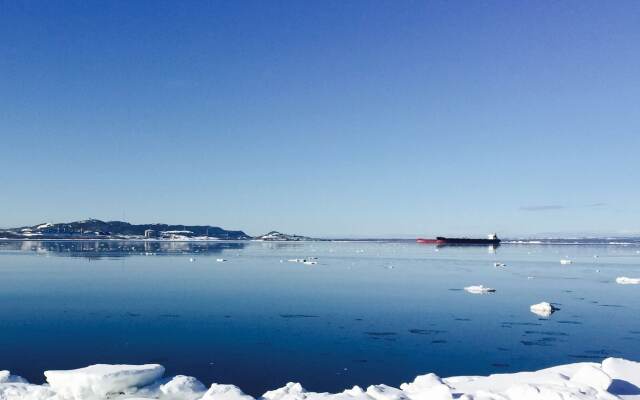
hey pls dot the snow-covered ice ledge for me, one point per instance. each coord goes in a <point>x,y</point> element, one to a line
<point>614,378</point>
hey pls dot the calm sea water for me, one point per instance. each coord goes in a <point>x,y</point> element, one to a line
<point>366,313</point>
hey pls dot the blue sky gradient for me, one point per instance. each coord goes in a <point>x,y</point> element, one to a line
<point>325,118</point>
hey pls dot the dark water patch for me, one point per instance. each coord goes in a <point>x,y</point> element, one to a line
<point>634,332</point>
<point>380,333</point>
<point>361,361</point>
<point>602,352</point>
<point>426,331</point>
<point>569,322</point>
<point>357,319</point>
<point>462,319</point>
<point>439,341</point>
<point>227,316</point>
<point>455,290</point>
<point>502,349</point>
<point>546,333</point>
<point>298,316</point>
<point>133,315</point>
<point>611,305</point>
<point>585,356</point>
<point>500,365</point>
<point>544,342</point>
<point>510,324</point>
<point>169,315</point>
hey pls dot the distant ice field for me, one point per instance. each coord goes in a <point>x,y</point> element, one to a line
<point>365,313</point>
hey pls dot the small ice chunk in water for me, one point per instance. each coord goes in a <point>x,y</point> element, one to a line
<point>543,309</point>
<point>623,280</point>
<point>192,259</point>
<point>100,380</point>
<point>499,264</point>
<point>479,289</point>
<point>565,261</point>
<point>220,260</point>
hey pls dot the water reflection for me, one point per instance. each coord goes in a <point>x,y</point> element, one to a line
<point>97,249</point>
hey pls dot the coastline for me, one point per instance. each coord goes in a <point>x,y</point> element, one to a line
<point>613,378</point>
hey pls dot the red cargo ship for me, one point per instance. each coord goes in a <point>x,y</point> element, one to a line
<point>491,240</point>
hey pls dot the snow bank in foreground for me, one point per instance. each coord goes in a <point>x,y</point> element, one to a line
<point>614,378</point>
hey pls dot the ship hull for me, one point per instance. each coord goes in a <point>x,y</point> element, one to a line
<point>460,241</point>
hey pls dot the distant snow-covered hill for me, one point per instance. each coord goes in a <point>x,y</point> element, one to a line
<point>95,228</point>
<point>281,237</point>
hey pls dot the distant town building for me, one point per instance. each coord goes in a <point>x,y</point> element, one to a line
<point>150,234</point>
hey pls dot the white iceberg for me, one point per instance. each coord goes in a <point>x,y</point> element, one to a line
<point>543,309</point>
<point>623,280</point>
<point>99,380</point>
<point>479,289</point>
<point>565,261</point>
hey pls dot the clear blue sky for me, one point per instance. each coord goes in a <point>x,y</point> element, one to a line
<point>327,117</point>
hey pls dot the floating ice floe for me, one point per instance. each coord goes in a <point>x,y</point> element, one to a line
<point>612,379</point>
<point>623,280</point>
<point>565,261</point>
<point>192,259</point>
<point>479,289</point>
<point>498,264</point>
<point>543,309</point>
<point>308,260</point>
<point>220,260</point>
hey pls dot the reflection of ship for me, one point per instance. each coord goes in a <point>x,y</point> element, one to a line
<point>491,240</point>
